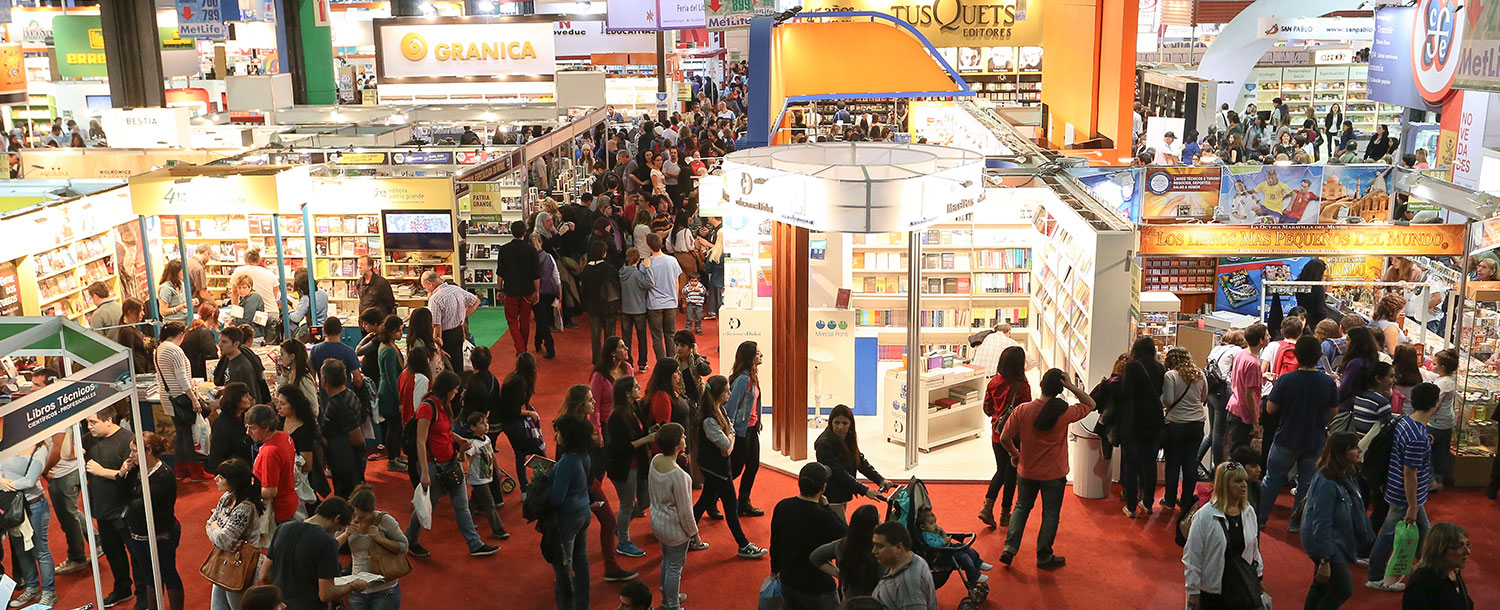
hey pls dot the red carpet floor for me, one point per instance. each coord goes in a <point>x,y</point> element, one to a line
<point>1113,562</point>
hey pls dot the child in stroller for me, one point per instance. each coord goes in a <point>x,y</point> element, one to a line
<point>964,555</point>
<point>907,506</point>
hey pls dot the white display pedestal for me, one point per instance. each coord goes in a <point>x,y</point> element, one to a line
<point>935,427</point>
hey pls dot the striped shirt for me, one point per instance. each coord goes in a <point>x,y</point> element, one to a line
<point>1411,447</point>
<point>449,305</point>
<point>1369,408</point>
<point>173,367</point>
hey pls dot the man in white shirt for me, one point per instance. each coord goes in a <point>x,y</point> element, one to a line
<point>263,280</point>
<point>987,356</point>
<point>1169,153</point>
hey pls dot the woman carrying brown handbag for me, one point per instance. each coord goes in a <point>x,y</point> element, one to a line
<point>232,526</point>
<point>378,546</point>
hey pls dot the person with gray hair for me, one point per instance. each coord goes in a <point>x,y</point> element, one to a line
<point>276,463</point>
<point>197,273</point>
<point>451,307</point>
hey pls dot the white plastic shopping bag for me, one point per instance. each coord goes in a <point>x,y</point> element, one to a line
<point>200,435</point>
<point>421,505</point>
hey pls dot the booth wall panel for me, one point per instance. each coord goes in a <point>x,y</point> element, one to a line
<point>866,375</point>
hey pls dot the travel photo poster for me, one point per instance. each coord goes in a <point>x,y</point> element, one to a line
<point>1356,190</point>
<point>1272,194</point>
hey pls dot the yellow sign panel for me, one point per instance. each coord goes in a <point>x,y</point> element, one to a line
<point>1302,240</point>
<point>955,23</point>
<point>362,159</point>
<point>96,38</point>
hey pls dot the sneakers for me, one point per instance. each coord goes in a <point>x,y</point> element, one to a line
<point>395,465</point>
<point>746,510</point>
<point>985,567</point>
<point>484,550</point>
<point>716,515</point>
<point>26,598</point>
<point>698,545</point>
<point>1380,585</point>
<point>1294,528</point>
<point>417,550</point>
<point>619,575</point>
<point>750,551</point>
<point>500,535</point>
<point>70,566</point>
<point>983,578</point>
<point>49,599</point>
<point>1364,561</point>
<point>1051,563</point>
<point>116,598</point>
<point>629,549</point>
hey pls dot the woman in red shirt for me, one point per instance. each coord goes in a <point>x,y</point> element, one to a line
<point>437,460</point>
<point>1006,389</point>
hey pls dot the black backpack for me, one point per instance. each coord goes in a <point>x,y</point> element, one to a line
<point>1378,454</point>
<point>538,505</point>
<point>12,509</point>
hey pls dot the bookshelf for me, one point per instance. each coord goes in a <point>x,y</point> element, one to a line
<point>1081,268</point>
<point>975,272</point>
<point>65,271</point>
<point>1322,87</point>
<point>501,203</point>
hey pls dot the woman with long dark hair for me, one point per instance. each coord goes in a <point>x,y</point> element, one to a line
<point>520,422</point>
<point>388,394</point>
<point>664,391</point>
<point>1041,468</point>
<point>300,423</point>
<point>838,449</point>
<point>743,410</point>
<point>613,363</point>
<point>1314,300</point>
<point>579,403</point>
<point>1141,426</point>
<point>625,445</point>
<point>173,301</point>
<point>856,569</point>
<point>1438,582</point>
<point>412,387</point>
<point>1334,525</point>
<point>714,446</point>
<point>232,522</point>
<point>293,369</point>
<point>1362,352</point>
<point>419,334</point>
<point>438,449</point>
<point>570,496</point>
<point>1005,390</point>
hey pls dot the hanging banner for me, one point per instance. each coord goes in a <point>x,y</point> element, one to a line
<point>26,421</point>
<point>1316,28</point>
<point>655,14</point>
<point>1479,53</point>
<point>973,23</point>
<point>1392,70</point>
<point>1304,240</point>
<point>203,18</point>
<point>1181,192</point>
<point>10,290</point>
<point>12,74</point>
<point>1461,142</point>
<point>463,49</point>
<point>735,14</point>
<point>1286,194</point>
<point>79,45</point>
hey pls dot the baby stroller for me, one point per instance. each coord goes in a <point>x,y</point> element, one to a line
<point>904,504</point>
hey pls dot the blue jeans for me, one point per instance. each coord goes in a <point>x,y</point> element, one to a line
<point>389,599</point>
<point>571,587</point>
<point>224,599</point>
<point>40,556</point>
<point>672,560</point>
<point>459,496</point>
<point>1279,464</point>
<point>1381,553</point>
<point>1052,497</point>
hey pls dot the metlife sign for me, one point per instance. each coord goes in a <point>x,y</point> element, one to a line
<point>203,18</point>
<point>734,14</point>
<point>1318,28</point>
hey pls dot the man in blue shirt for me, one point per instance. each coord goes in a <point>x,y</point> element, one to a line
<point>331,347</point>
<point>1407,478</point>
<point>661,299</point>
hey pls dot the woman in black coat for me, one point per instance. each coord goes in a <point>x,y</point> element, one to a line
<point>1315,300</point>
<point>1141,426</point>
<point>838,449</point>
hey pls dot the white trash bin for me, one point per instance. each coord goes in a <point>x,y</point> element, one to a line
<point>1086,464</point>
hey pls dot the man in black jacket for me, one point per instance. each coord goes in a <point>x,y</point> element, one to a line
<point>799,525</point>
<point>520,277</point>
<point>599,285</point>
<point>374,290</point>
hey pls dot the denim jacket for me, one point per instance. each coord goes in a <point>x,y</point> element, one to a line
<point>742,402</point>
<point>1333,520</point>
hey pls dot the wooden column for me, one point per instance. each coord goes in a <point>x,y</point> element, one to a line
<point>789,276</point>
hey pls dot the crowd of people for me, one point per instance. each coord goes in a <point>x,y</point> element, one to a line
<point>1269,136</point>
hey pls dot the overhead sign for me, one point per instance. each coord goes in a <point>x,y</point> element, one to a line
<point>462,49</point>
<point>655,14</point>
<point>12,73</point>
<point>971,23</point>
<point>148,127</point>
<point>1461,142</point>
<point>79,45</point>
<point>1301,240</point>
<point>204,18</point>
<point>422,158</point>
<point>1316,28</point>
<point>64,403</point>
<point>1437,35</point>
<point>735,14</point>
<point>581,39</point>
<point>1392,74</point>
<point>1479,52</point>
